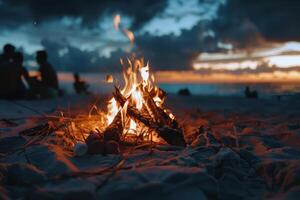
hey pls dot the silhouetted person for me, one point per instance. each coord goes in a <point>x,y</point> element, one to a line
<point>184,92</point>
<point>6,65</point>
<point>49,80</point>
<point>250,94</point>
<point>278,97</point>
<point>17,72</point>
<point>80,86</point>
<point>7,55</point>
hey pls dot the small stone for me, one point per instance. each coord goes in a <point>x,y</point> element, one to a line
<point>95,144</point>
<point>96,147</point>
<point>92,137</point>
<point>80,148</point>
<point>112,147</point>
<point>111,135</point>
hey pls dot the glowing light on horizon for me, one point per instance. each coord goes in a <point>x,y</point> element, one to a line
<point>223,77</point>
<point>284,61</point>
<point>231,66</point>
<point>286,55</point>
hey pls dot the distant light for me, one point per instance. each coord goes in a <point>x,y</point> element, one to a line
<point>34,23</point>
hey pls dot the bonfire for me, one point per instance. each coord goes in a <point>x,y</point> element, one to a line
<point>137,110</point>
<point>135,115</point>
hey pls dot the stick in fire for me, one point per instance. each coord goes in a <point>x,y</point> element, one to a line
<point>172,135</point>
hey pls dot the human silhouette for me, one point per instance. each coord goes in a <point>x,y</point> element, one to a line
<point>6,67</point>
<point>80,86</point>
<point>184,92</point>
<point>18,72</point>
<point>7,55</point>
<point>250,94</point>
<point>49,80</point>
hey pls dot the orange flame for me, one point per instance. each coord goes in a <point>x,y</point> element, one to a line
<point>117,20</point>
<point>129,34</point>
<point>138,80</point>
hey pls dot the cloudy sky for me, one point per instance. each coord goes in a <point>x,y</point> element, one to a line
<point>79,35</point>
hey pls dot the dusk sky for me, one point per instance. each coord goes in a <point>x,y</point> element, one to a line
<point>171,34</point>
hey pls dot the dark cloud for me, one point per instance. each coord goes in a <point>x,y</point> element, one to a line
<point>245,23</point>
<point>176,52</point>
<point>164,52</point>
<point>78,60</point>
<point>250,22</point>
<point>16,12</point>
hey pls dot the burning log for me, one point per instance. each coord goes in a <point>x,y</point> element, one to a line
<point>114,130</point>
<point>170,135</point>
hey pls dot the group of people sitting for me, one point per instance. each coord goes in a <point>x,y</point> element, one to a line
<point>16,82</point>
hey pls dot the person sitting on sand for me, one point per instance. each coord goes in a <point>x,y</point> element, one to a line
<point>184,92</point>
<point>6,61</point>
<point>48,75</point>
<point>8,54</point>
<point>250,94</point>
<point>80,86</point>
<point>19,72</point>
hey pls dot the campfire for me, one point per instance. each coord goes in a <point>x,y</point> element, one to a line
<point>136,111</point>
<point>135,115</point>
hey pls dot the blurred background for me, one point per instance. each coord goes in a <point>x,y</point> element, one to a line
<point>210,47</point>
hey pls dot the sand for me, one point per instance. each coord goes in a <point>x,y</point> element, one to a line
<point>246,149</point>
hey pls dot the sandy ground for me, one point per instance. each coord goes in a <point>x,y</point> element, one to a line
<point>247,149</point>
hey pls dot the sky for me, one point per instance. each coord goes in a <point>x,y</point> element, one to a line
<point>172,34</point>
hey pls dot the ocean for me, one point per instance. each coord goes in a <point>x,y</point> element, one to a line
<point>97,84</point>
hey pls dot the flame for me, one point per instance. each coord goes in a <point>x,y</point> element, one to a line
<point>109,78</point>
<point>117,20</point>
<point>138,82</point>
<point>138,88</point>
<point>129,34</point>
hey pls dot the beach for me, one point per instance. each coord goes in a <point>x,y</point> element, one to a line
<point>250,150</point>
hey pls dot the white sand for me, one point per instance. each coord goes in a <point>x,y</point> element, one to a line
<point>252,152</point>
